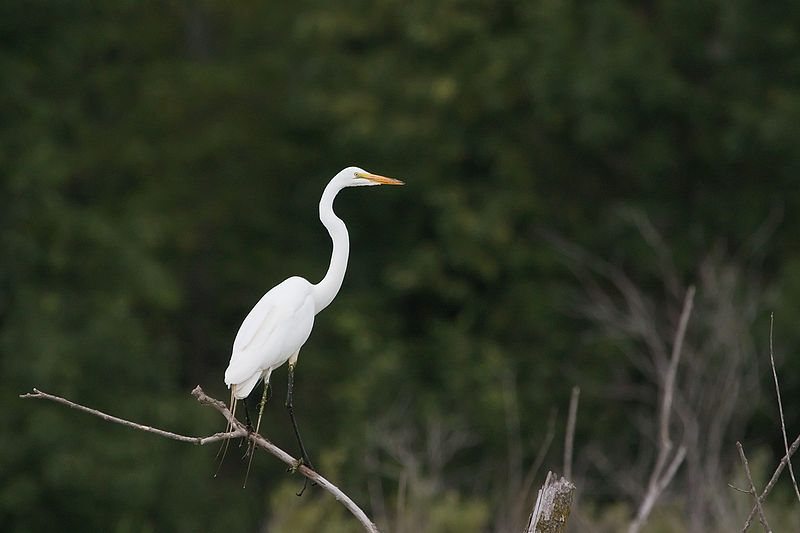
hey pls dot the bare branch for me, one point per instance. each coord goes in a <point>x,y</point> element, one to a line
<point>773,480</point>
<point>753,490</point>
<point>238,430</point>
<point>659,478</point>
<point>780,407</point>
<point>569,438</point>
<point>149,429</point>
<point>669,380</point>
<point>669,473</point>
<point>790,450</point>
<point>737,489</point>
<point>655,489</point>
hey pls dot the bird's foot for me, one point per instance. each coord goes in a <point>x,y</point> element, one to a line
<point>305,484</point>
<point>303,461</point>
<point>294,466</point>
<point>251,445</point>
<point>246,439</point>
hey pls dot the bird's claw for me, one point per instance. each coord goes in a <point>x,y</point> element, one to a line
<point>295,466</point>
<point>251,445</point>
<point>305,484</point>
<point>247,437</point>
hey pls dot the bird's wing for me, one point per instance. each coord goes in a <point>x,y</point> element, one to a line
<point>274,329</point>
<point>260,316</point>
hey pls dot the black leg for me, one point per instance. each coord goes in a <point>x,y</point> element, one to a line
<point>247,417</point>
<point>249,425</point>
<point>251,445</point>
<point>290,407</point>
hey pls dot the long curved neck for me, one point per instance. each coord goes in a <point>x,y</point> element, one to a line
<point>325,291</point>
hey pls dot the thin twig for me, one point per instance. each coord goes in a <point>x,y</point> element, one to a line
<point>569,438</point>
<point>737,489</point>
<point>753,490</point>
<point>790,450</point>
<point>772,480</point>
<point>141,427</point>
<point>670,472</point>
<point>669,380</point>
<point>238,430</point>
<point>780,407</point>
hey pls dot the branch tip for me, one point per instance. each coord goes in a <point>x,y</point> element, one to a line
<point>238,430</point>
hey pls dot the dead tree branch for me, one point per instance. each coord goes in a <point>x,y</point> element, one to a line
<point>753,489</point>
<point>780,408</point>
<point>569,438</point>
<point>149,429</point>
<point>790,450</point>
<point>238,430</point>
<point>662,474</point>
<point>772,481</point>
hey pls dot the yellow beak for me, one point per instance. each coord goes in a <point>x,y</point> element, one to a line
<point>383,180</point>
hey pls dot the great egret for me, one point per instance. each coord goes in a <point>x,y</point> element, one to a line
<point>280,323</point>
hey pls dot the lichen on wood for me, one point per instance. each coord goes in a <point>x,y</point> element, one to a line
<point>553,506</point>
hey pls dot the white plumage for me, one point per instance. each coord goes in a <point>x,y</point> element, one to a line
<point>280,323</point>
<point>274,330</point>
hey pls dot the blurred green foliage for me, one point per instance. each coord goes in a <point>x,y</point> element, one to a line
<point>160,165</point>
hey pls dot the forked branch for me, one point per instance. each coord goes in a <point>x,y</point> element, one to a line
<point>780,407</point>
<point>790,450</point>
<point>752,488</point>
<point>665,468</point>
<point>237,430</point>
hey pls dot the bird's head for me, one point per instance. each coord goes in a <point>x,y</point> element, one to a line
<point>356,177</point>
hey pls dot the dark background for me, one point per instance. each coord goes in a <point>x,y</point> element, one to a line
<point>572,168</point>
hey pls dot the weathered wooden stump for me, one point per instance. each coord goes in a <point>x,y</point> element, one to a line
<point>552,506</point>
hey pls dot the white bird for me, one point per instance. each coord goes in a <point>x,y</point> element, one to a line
<point>280,323</point>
